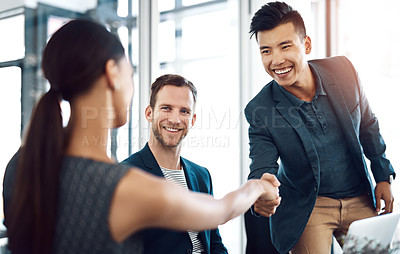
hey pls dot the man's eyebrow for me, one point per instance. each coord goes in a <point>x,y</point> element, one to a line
<point>280,44</point>
<point>165,105</point>
<point>285,42</point>
<point>188,109</point>
<point>171,106</point>
<point>264,47</point>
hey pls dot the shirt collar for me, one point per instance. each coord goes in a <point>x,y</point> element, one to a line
<point>320,88</point>
<point>318,92</point>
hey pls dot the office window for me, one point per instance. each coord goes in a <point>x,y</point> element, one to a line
<point>12,42</point>
<point>199,40</point>
<point>203,35</point>
<point>370,40</point>
<point>10,112</point>
<point>166,5</point>
<point>166,49</point>
<point>122,9</point>
<point>54,23</point>
<point>194,2</point>
<point>135,113</point>
<point>127,135</point>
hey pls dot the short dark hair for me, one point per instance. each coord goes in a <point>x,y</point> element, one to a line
<point>173,80</point>
<point>274,14</point>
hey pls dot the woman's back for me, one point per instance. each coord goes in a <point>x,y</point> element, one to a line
<point>86,190</point>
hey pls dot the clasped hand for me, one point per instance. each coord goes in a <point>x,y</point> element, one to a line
<point>268,202</point>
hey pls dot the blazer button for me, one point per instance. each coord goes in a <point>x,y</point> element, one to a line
<point>189,251</point>
<point>315,189</point>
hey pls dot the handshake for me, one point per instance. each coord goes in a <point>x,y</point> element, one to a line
<point>267,203</point>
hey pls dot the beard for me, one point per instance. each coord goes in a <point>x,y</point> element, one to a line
<point>159,137</point>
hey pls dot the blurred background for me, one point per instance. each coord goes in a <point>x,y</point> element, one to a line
<point>206,41</point>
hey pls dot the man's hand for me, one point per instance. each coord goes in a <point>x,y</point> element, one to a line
<point>383,191</point>
<point>265,205</point>
<point>271,178</point>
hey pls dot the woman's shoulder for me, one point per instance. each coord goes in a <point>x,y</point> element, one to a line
<point>87,165</point>
<point>87,188</point>
<point>88,174</point>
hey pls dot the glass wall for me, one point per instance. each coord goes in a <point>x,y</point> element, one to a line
<point>10,112</point>
<point>199,40</point>
<point>13,50</point>
<point>369,38</point>
<point>14,41</point>
<point>127,137</point>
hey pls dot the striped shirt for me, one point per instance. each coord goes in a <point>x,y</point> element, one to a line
<point>178,177</point>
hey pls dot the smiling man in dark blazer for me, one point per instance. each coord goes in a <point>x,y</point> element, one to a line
<point>171,115</point>
<point>315,118</point>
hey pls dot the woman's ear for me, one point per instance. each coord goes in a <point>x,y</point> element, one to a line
<point>111,71</point>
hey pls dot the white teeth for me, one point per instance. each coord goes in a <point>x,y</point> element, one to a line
<point>283,71</point>
<point>171,129</point>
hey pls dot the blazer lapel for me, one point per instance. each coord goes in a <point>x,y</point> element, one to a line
<point>191,179</point>
<point>151,165</point>
<point>340,107</point>
<point>290,113</point>
<point>338,103</point>
<point>150,162</point>
<point>193,185</point>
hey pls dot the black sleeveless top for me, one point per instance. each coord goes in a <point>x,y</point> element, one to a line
<point>86,190</point>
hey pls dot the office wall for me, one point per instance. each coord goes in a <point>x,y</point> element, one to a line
<point>10,4</point>
<point>74,5</point>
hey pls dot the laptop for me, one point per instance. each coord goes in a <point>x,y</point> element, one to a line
<point>372,235</point>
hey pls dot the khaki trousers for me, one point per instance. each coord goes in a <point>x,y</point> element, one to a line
<point>331,217</point>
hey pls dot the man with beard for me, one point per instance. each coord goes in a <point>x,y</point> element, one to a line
<point>171,115</point>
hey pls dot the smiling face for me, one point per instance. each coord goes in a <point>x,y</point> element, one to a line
<point>172,116</point>
<point>283,54</point>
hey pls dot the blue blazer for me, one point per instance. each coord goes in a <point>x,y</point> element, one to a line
<point>166,241</point>
<point>277,132</point>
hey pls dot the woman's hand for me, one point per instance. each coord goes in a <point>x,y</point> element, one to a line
<point>268,202</point>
